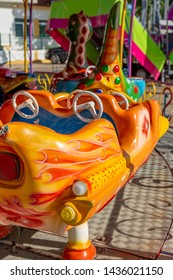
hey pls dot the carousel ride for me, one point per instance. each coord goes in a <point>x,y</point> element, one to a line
<point>64,156</point>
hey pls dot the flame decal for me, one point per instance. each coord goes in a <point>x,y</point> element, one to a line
<point>145,126</point>
<point>79,154</point>
<point>41,198</point>
<point>13,210</point>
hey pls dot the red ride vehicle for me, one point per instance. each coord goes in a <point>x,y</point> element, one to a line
<point>11,81</point>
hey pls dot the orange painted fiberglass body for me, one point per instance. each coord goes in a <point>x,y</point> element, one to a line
<point>43,159</point>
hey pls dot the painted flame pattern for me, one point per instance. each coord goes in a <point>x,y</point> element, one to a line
<point>79,155</point>
<point>14,211</point>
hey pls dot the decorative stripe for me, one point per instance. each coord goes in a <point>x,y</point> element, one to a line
<point>63,22</point>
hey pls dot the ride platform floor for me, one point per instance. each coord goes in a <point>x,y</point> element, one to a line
<point>137,224</point>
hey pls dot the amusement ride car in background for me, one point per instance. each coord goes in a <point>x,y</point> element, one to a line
<point>11,81</point>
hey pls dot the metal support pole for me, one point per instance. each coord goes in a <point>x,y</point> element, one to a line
<point>30,37</point>
<point>122,33</point>
<point>144,13</point>
<point>166,8</point>
<point>130,38</point>
<point>25,3</point>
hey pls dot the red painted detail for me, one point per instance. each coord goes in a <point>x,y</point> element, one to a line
<point>84,30</point>
<point>82,86</point>
<point>145,126</point>
<point>4,231</point>
<point>13,210</point>
<point>5,72</point>
<point>9,167</point>
<point>116,68</point>
<point>84,18</point>
<point>98,77</point>
<point>41,198</point>
<point>80,60</point>
<point>82,40</point>
<point>80,49</point>
<point>135,89</point>
<point>86,254</point>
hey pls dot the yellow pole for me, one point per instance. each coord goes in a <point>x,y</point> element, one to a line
<point>25,3</point>
<point>122,32</point>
